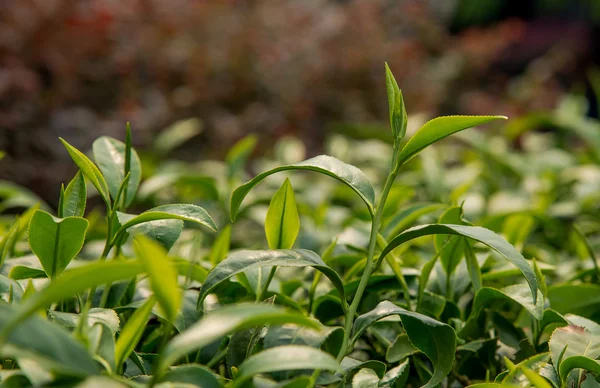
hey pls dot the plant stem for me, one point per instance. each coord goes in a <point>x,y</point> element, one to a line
<point>369,267</point>
<point>264,288</point>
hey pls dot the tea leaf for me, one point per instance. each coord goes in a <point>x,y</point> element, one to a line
<point>183,212</point>
<point>439,128</point>
<point>289,357</point>
<point>132,331</point>
<point>398,117</point>
<point>163,277</point>
<point>220,247</point>
<point>177,134</point>
<point>239,154</point>
<point>435,339</point>
<point>324,164</point>
<point>91,172</point>
<point>484,236</point>
<point>216,324</point>
<point>56,241</point>
<point>283,223</point>
<point>580,299</point>
<point>45,343</point>
<point>517,293</point>
<point>75,281</point>
<point>196,375</point>
<point>110,155</point>
<point>578,362</point>
<point>241,261</point>
<point>75,197</point>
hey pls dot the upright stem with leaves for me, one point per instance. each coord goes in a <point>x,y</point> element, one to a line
<point>398,122</point>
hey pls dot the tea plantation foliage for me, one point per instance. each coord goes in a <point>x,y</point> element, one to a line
<point>470,263</point>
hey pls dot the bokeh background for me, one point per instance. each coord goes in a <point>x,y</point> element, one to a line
<point>79,69</point>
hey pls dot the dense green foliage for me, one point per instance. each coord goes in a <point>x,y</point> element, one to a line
<point>468,267</point>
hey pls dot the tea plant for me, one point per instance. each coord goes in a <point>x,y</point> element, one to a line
<point>381,306</point>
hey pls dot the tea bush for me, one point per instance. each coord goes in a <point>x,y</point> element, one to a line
<point>319,282</point>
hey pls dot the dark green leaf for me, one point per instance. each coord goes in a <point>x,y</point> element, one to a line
<point>219,323</point>
<point>183,212</point>
<point>241,261</point>
<point>484,236</point>
<point>435,339</point>
<point>518,293</point>
<point>281,358</point>
<point>46,343</point>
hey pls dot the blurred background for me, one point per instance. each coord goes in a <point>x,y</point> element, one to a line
<point>79,69</point>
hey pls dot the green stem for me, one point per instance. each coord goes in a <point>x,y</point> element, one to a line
<point>264,288</point>
<point>350,314</point>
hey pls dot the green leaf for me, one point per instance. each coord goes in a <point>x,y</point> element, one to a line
<point>220,248</point>
<point>195,375</point>
<point>239,154</point>
<point>407,216</point>
<point>75,197</point>
<point>46,343</point>
<point>282,358</point>
<point>107,317</point>
<point>396,377</point>
<point>177,134</point>
<point>536,380</point>
<point>282,223</point>
<point>183,212</point>
<point>75,281</point>
<point>400,349</point>
<point>578,362</point>
<point>19,272</point>
<point>324,164</point>
<point>91,172</point>
<point>56,241</point>
<point>132,331</point>
<point>580,299</point>
<point>241,261</point>
<point>578,342</point>
<point>439,128</point>
<point>518,293</point>
<point>164,232</point>
<point>365,378</point>
<point>484,236</point>
<point>435,339</point>
<point>110,155</point>
<point>398,117</point>
<point>219,323</point>
<point>8,241</point>
<point>163,277</point>
<point>453,249</point>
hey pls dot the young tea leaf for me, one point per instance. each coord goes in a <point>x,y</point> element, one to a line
<point>163,277</point>
<point>283,223</point>
<point>398,117</point>
<point>110,154</point>
<point>90,170</point>
<point>56,241</point>
<point>132,331</point>
<point>220,248</point>
<point>437,129</point>
<point>75,197</point>
<point>324,164</point>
